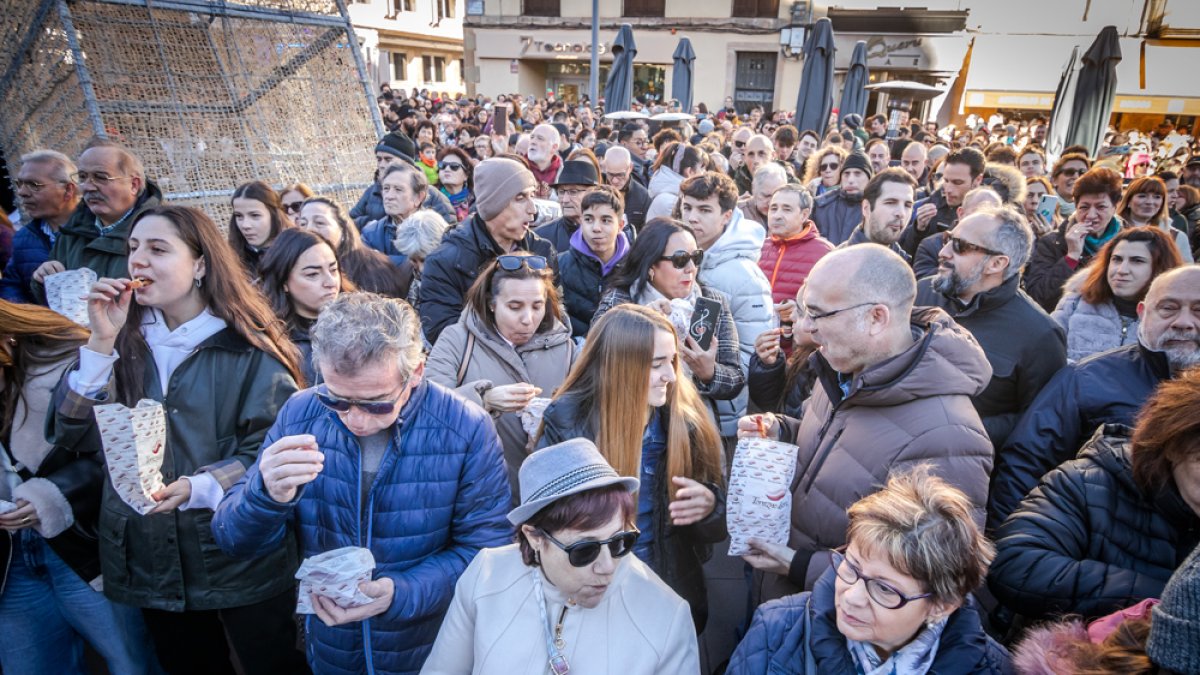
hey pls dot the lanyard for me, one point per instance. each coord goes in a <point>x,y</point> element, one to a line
<point>554,642</point>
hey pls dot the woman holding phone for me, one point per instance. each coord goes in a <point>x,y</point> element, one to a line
<point>186,329</point>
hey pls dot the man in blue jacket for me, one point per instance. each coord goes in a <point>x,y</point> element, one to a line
<point>48,196</point>
<point>376,458</point>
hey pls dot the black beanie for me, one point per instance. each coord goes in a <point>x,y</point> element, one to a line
<point>857,160</point>
<point>399,145</point>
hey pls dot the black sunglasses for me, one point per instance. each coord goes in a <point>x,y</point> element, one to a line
<point>680,259</point>
<point>584,553</point>
<point>829,167</point>
<point>453,166</point>
<point>293,207</point>
<point>343,405</point>
<point>739,144</point>
<point>512,263</point>
<point>963,247</point>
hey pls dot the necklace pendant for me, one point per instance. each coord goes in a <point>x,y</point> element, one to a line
<point>559,665</point>
<point>559,643</point>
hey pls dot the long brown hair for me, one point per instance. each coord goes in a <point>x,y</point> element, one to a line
<point>265,195</point>
<point>1167,432</point>
<point>612,376</point>
<point>1164,255</point>
<point>226,292</point>
<point>1152,184</point>
<point>481,297</point>
<point>38,338</point>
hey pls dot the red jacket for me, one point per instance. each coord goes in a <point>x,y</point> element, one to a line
<point>786,262</point>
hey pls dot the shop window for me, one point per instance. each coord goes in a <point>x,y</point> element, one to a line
<point>399,65</point>
<point>634,8</point>
<point>543,8</point>
<point>756,9</point>
<point>435,68</point>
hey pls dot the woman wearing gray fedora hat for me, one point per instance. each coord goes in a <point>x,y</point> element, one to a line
<point>567,597</point>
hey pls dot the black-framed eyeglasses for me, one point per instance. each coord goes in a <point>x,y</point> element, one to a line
<point>343,405</point>
<point>584,553</point>
<point>34,186</point>
<point>293,207</point>
<point>882,593</point>
<point>680,259</point>
<point>806,312</point>
<point>512,263</point>
<point>962,247</point>
<point>452,166</point>
<point>1069,173</point>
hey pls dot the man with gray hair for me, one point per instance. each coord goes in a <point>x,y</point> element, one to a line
<point>115,190</point>
<point>416,238</point>
<point>47,197</point>
<point>375,457</point>
<point>979,284</point>
<point>926,264</point>
<point>543,157</point>
<point>768,178</point>
<point>402,187</point>
<point>893,389</point>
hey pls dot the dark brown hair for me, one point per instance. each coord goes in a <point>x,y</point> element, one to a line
<point>1167,432</point>
<point>1098,181</point>
<point>277,266</point>
<point>585,510</point>
<point>43,339</point>
<point>265,195</point>
<point>1164,255</point>
<point>1153,185</point>
<point>482,294</point>
<point>705,185</point>
<point>226,292</point>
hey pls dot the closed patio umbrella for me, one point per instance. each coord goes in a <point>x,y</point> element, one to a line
<point>1095,91</point>
<point>1064,102</point>
<point>618,89</point>
<point>815,101</point>
<point>681,74</point>
<point>854,97</point>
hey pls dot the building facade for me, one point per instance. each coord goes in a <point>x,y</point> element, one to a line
<point>411,44</point>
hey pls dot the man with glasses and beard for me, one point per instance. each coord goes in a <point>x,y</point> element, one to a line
<point>634,138</point>
<point>1106,388</point>
<point>115,190</point>
<point>979,284</point>
<point>617,167</point>
<point>376,457</point>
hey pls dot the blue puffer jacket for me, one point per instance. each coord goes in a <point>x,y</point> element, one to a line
<point>440,496</point>
<point>776,641</point>
<point>30,248</point>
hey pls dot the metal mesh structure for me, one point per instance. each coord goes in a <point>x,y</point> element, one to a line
<point>209,94</point>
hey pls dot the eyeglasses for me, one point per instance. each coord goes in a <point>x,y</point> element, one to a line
<point>451,166</point>
<point>806,312</point>
<point>640,142</point>
<point>880,592</point>
<point>1070,172</point>
<point>829,167</point>
<point>962,247</point>
<point>739,144</point>
<point>512,263</point>
<point>584,553</point>
<point>98,178</point>
<point>34,186</point>
<point>293,207</point>
<point>343,405</point>
<point>680,259</point>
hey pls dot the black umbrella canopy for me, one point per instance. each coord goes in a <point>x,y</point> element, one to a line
<point>815,101</point>
<point>1064,102</point>
<point>1095,91</point>
<point>854,97</point>
<point>681,74</point>
<point>618,90</point>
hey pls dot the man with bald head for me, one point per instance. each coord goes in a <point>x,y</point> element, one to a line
<point>893,389</point>
<point>113,184</point>
<point>914,160</point>
<point>1107,388</point>
<point>759,150</point>
<point>617,169</point>
<point>542,154</point>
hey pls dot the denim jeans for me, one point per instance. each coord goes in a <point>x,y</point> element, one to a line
<point>47,611</point>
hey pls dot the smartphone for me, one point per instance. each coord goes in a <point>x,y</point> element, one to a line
<point>500,119</point>
<point>1046,207</point>
<point>704,321</point>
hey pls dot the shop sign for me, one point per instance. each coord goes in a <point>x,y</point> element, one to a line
<point>531,46</point>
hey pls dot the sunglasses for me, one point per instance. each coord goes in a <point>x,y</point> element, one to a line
<point>739,144</point>
<point>829,167</point>
<point>680,259</point>
<point>293,207</point>
<point>1070,172</point>
<point>584,553</point>
<point>512,263</point>
<point>961,247</point>
<point>452,166</point>
<point>343,405</point>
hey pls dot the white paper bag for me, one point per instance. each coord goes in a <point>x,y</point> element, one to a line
<point>335,575</point>
<point>760,497</point>
<point>134,440</point>
<point>531,416</point>
<point>64,290</point>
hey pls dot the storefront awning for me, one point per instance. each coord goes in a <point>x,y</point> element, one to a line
<point>1021,72</point>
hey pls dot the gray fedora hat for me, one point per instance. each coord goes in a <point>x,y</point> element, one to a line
<point>561,470</point>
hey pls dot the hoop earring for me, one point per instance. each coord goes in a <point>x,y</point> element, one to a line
<point>200,282</point>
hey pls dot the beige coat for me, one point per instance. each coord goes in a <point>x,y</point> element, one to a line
<point>544,362</point>
<point>493,627</point>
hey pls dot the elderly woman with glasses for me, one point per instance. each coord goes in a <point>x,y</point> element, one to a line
<point>896,600</point>
<point>509,347</point>
<point>567,597</point>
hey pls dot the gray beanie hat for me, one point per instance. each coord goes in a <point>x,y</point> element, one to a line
<point>1175,626</point>
<point>497,181</point>
<point>857,160</point>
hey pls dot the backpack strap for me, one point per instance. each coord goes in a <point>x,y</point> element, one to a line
<point>462,368</point>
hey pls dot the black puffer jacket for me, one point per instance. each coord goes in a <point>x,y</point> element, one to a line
<point>679,552</point>
<point>1088,539</point>
<point>582,284</point>
<point>836,215</point>
<point>1106,388</point>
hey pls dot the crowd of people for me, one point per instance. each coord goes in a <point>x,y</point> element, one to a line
<point>517,371</point>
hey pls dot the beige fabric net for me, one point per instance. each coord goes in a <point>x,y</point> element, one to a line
<point>209,94</point>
